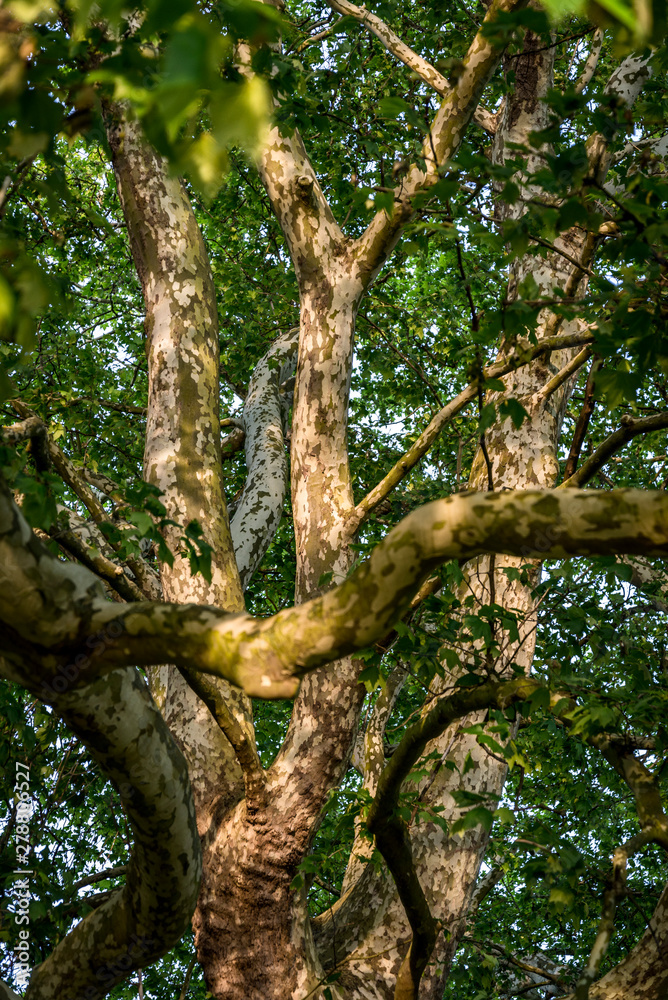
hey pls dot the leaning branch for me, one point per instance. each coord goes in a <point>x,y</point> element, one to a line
<point>630,428</point>
<point>77,483</point>
<point>523,356</point>
<point>415,62</point>
<point>440,145</point>
<point>66,470</point>
<point>391,831</point>
<point>564,374</point>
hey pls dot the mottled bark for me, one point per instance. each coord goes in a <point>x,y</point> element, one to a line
<point>643,975</point>
<point>58,607</point>
<point>261,504</point>
<point>182,451</point>
<point>116,718</point>
<point>183,458</point>
<point>333,275</point>
<point>253,934</point>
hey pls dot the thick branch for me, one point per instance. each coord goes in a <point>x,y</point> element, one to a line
<point>440,145</point>
<point>119,722</point>
<point>630,428</point>
<point>58,605</point>
<point>592,62</point>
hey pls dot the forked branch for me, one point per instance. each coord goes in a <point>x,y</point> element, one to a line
<point>415,62</point>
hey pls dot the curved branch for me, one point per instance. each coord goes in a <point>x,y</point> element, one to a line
<point>99,877</point>
<point>59,606</point>
<point>583,419</point>
<point>117,719</point>
<point>630,428</point>
<point>261,505</point>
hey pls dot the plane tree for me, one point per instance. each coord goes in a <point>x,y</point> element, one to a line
<point>329,334</point>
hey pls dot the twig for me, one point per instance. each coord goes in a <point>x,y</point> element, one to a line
<point>99,877</point>
<point>583,419</point>
<point>186,982</point>
<point>523,355</point>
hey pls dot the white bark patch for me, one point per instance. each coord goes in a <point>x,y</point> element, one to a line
<point>261,505</point>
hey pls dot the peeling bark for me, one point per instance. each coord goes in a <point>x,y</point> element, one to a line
<point>261,505</point>
<point>117,720</point>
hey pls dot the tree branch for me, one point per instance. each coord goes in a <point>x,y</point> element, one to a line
<point>99,877</point>
<point>58,605</point>
<point>261,505</point>
<point>523,356</point>
<point>394,45</point>
<point>391,831</point>
<point>66,470</point>
<point>105,404</point>
<point>592,62</point>
<point>583,419</point>
<point>244,748</point>
<point>630,428</point>
<point>96,561</point>
<point>120,724</point>
<point>564,374</point>
<point>440,145</point>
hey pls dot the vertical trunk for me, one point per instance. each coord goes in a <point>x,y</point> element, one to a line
<point>253,929</point>
<point>182,452</point>
<point>182,458</point>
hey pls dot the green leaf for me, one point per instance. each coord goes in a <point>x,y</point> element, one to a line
<point>513,408</point>
<point>478,816</point>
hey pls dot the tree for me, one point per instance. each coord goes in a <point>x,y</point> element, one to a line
<point>428,642</point>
